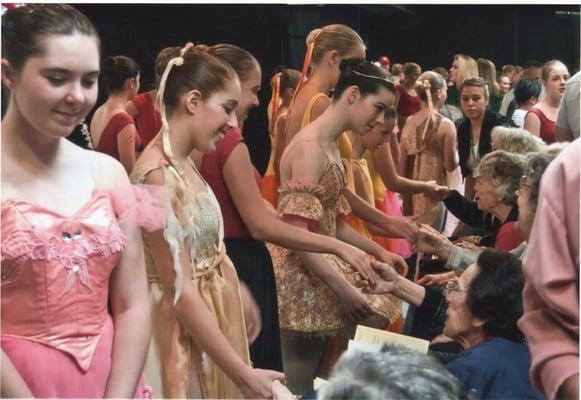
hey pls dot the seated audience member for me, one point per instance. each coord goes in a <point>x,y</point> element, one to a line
<point>484,305</point>
<point>394,372</point>
<point>497,180</point>
<point>459,258</point>
<point>569,118</point>
<point>551,268</point>
<point>515,140</point>
<point>526,94</point>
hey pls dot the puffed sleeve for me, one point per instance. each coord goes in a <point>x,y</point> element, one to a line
<point>302,200</point>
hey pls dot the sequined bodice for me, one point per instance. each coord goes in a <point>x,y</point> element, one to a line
<point>208,232</point>
<point>55,273</point>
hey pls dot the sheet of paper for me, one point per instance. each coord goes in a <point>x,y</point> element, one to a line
<point>377,337</point>
<point>318,382</point>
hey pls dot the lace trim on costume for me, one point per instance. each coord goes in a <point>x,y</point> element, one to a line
<point>72,250</point>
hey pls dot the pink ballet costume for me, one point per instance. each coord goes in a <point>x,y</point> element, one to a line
<point>56,327</point>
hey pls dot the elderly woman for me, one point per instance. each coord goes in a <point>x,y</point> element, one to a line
<point>458,258</point>
<point>496,183</point>
<point>483,307</point>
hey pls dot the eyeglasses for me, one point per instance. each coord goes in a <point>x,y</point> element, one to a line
<point>523,183</point>
<point>451,287</point>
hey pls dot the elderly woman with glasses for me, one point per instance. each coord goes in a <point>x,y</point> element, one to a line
<point>482,308</point>
<point>459,256</point>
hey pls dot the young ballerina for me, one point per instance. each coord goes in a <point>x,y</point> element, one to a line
<point>316,293</point>
<point>429,147</point>
<point>75,314</point>
<point>326,48</point>
<point>199,346</point>
<point>285,83</point>
<point>249,222</point>
<point>112,128</point>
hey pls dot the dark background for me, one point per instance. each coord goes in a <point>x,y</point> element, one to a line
<point>427,34</point>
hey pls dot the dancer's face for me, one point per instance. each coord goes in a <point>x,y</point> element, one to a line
<point>249,96</point>
<point>216,115</point>
<point>379,135</point>
<point>369,111</point>
<point>54,90</point>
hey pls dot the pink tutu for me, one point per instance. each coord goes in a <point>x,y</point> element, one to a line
<point>392,206</point>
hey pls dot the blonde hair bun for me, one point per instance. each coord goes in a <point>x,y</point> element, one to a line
<point>312,36</point>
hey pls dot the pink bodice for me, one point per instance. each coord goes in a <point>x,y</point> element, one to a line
<point>55,273</point>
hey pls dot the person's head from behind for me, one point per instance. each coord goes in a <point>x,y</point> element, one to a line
<point>381,133</point>
<point>486,300</point>
<point>200,93</point>
<point>289,79</point>
<point>411,72</point>
<point>527,92</point>
<point>249,73</point>
<point>443,72</point>
<point>394,372</point>
<point>487,71</point>
<point>397,73</point>
<point>431,87</point>
<point>384,63</point>
<point>332,44</point>
<point>463,67</point>
<point>120,75</point>
<point>508,70</point>
<point>518,74</point>
<point>497,180</point>
<point>514,140</point>
<point>366,92</point>
<point>529,187</point>
<point>474,97</point>
<point>50,64</point>
<point>532,69</point>
<point>554,76</point>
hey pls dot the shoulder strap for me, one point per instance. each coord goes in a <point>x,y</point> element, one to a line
<point>308,111</point>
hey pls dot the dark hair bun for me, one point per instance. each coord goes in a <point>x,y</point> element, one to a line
<point>349,64</point>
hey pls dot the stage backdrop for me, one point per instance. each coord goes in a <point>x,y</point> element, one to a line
<point>427,34</point>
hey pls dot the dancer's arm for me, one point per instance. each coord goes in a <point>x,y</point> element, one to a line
<point>450,145</point>
<point>385,166</point>
<point>398,227</point>
<point>349,235</point>
<point>126,147</point>
<point>12,385</point>
<point>200,323</point>
<point>263,225</point>
<point>129,302</point>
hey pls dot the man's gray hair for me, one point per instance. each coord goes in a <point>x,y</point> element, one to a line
<point>394,372</point>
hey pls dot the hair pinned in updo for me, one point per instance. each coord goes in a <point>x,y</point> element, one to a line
<point>23,29</point>
<point>239,59</point>
<point>116,70</point>
<point>194,68</point>
<point>363,74</point>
